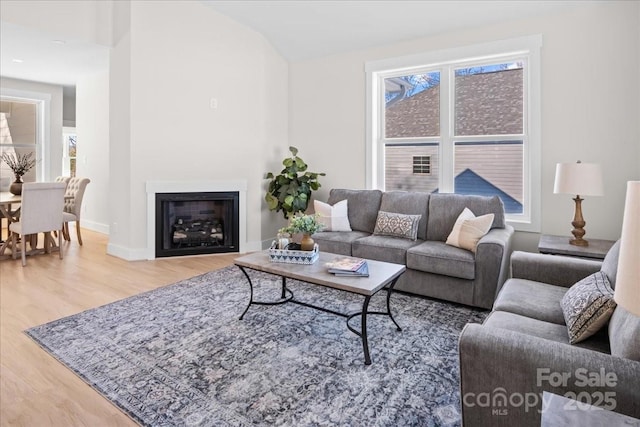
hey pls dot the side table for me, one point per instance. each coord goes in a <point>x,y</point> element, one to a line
<point>559,245</point>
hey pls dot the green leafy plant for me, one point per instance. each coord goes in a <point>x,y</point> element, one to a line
<point>19,163</point>
<point>290,190</point>
<point>306,224</point>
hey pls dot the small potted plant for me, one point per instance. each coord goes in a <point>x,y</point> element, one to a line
<point>305,224</point>
<point>20,164</point>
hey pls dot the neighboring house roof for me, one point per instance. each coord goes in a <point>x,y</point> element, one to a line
<point>470,183</point>
<point>486,104</point>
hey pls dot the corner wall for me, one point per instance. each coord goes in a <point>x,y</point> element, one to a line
<point>195,97</point>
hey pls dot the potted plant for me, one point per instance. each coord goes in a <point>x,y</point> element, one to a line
<point>305,224</point>
<point>290,190</point>
<point>20,164</point>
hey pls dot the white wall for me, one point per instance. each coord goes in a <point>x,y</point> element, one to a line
<point>177,57</point>
<point>52,132</point>
<point>92,101</point>
<point>590,65</point>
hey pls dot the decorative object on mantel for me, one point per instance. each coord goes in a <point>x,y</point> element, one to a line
<point>580,179</point>
<point>290,191</point>
<point>305,224</point>
<point>627,292</point>
<point>19,164</point>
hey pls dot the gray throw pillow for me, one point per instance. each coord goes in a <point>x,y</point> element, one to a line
<point>397,225</point>
<point>587,306</point>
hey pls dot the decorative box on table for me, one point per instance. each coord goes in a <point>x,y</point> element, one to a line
<point>293,256</point>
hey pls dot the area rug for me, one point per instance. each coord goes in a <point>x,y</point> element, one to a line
<point>178,355</point>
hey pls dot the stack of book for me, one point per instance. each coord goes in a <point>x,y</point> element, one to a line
<point>349,266</point>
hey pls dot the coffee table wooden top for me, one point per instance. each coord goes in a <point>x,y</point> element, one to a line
<point>380,273</point>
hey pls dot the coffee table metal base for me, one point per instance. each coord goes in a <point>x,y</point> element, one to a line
<point>287,296</point>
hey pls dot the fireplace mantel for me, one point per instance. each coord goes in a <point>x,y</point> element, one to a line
<point>155,187</point>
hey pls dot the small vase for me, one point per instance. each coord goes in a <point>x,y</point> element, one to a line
<point>16,186</point>
<point>307,243</point>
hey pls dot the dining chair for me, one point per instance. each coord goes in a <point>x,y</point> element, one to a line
<point>64,179</point>
<point>73,205</point>
<point>42,205</point>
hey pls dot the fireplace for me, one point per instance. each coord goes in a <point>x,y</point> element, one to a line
<point>196,223</point>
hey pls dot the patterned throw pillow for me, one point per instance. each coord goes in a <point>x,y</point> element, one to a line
<point>334,218</point>
<point>587,306</point>
<point>397,225</point>
<point>469,229</point>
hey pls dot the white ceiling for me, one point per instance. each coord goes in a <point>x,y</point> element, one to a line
<point>299,30</point>
<point>306,29</point>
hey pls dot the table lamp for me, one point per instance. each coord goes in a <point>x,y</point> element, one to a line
<point>580,179</point>
<point>627,293</point>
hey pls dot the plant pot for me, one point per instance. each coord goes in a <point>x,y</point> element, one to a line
<point>16,186</point>
<point>307,243</point>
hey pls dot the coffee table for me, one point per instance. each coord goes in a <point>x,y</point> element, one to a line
<point>382,275</point>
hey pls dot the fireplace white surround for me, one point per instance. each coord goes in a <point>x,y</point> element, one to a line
<point>155,187</point>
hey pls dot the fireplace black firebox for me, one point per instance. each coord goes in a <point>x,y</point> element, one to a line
<point>197,223</point>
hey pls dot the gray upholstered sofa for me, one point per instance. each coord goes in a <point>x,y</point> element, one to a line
<point>522,349</point>
<point>434,269</point>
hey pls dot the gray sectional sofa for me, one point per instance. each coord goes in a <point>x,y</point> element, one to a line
<point>434,269</point>
<point>522,349</point>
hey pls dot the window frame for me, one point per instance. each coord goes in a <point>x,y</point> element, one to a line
<point>523,48</point>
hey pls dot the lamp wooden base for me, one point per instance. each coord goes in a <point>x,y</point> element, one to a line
<point>578,225</point>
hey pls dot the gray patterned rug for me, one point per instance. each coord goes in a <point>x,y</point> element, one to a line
<point>178,355</point>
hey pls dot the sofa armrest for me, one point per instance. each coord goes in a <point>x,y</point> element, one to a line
<point>503,375</point>
<point>492,265</point>
<point>553,269</point>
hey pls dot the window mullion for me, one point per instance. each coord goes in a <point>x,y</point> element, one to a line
<point>446,177</point>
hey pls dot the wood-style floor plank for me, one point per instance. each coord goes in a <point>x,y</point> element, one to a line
<point>36,389</point>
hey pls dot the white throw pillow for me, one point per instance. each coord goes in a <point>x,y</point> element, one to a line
<point>334,218</point>
<point>469,229</point>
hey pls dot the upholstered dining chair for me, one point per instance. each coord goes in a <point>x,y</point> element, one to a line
<point>64,179</point>
<point>73,205</point>
<point>41,212</point>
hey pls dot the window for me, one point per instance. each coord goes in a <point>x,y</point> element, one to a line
<point>467,120</point>
<point>422,165</point>
<point>17,136</point>
<point>69,151</point>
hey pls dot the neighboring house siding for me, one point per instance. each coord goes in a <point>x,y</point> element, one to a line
<point>500,164</point>
<point>399,168</point>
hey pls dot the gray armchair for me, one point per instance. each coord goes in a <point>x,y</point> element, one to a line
<point>522,349</point>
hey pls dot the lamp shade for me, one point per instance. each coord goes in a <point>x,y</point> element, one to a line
<point>584,179</point>
<point>627,293</point>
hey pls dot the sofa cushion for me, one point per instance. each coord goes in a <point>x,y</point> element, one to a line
<point>532,299</point>
<point>444,210</point>
<point>469,229</point>
<point>397,225</point>
<point>410,203</point>
<point>363,207</point>
<point>545,330</point>
<point>587,306</point>
<point>337,242</point>
<point>383,248</point>
<point>440,258</point>
<point>334,218</point>
<point>624,334</point>
<point>610,264</point>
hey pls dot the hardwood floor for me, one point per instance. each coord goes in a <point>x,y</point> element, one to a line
<point>37,390</point>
